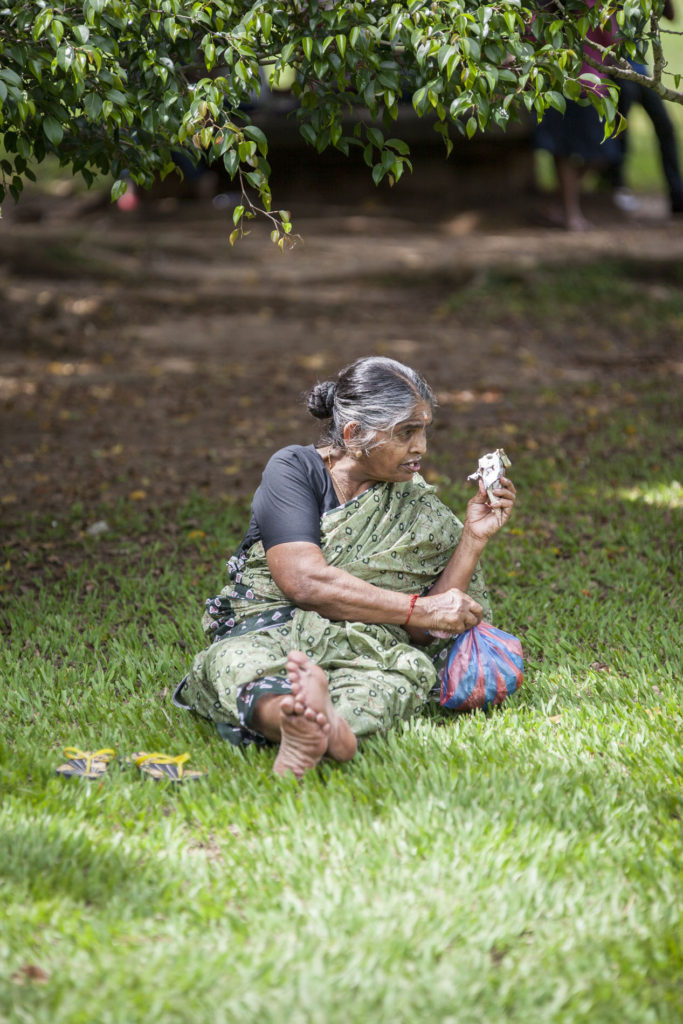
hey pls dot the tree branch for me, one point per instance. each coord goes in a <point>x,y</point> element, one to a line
<point>657,52</point>
<point>622,69</point>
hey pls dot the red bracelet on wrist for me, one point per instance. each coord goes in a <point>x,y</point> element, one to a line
<point>413,599</point>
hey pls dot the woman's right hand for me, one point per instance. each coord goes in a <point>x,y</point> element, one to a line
<point>446,614</point>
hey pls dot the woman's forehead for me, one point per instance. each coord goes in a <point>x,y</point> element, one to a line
<point>421,414</point>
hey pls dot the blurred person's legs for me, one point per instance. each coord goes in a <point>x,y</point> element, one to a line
<point>569,175</point>
<point>614,175</point>
<point>576,141</point>
<point>655,108</point>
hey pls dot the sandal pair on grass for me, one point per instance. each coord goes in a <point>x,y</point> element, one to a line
<point>86,764</point>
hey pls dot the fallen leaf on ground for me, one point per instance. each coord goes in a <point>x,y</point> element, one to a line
<point>31,972</point>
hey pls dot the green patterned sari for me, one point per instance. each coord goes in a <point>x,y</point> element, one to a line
<point>396,536</point>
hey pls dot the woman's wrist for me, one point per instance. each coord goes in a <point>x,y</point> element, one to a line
<point>470,542</point>
<point>413,602</point>
<point>421,616</point>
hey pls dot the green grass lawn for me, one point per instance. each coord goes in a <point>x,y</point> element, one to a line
<point>522,865</point>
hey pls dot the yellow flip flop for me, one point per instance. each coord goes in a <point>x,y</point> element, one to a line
<point>85,764</point>
<point>163,766</point>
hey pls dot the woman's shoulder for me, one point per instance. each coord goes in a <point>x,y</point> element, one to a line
<point>293,451</point>
<point>304,456</point>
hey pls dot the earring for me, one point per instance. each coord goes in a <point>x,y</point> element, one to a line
<point>357,454</point>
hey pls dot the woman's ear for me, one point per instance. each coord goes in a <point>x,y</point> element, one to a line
<point>350,432</point>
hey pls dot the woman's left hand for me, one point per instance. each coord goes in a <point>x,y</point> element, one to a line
<point>484,518</point>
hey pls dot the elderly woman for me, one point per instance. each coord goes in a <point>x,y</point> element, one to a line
<point>349,582</point>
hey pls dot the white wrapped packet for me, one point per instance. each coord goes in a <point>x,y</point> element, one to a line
<point>490,469</point>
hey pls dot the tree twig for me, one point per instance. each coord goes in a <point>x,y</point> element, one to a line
<point>657,52</point>
<point>622,69</point>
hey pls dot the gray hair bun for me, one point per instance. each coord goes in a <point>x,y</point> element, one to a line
<point>320,399</point>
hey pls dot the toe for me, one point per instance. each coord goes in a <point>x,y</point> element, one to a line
<point>287,705</point>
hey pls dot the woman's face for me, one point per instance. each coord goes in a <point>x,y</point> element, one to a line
<point>395,456</point>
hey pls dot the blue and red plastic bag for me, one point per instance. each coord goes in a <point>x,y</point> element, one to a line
<point>483,667</point>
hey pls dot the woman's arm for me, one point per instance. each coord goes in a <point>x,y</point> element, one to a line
<point>483,521</point>
<point>304,576</point>
<point>300,570</point>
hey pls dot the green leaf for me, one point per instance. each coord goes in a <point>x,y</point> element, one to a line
<point>444,55</point>
<point>376,137</point>
<point>341,45</point>
<point>307,47</point>
<point>65,56</point>
<point>388,159</point>
<point>453,62</point>
<point>590,79</point>
<point>257,135</point>
<point>237,214</point>
<point>556,100</point>
<point>42,22</point>
<point>609,109</point>
<point>471,127</point>
<point>419,99</point>
<point>118,189</point>
<point>256,179</point>
<point>308,133</point>
<point>93,105</point>
<point>231,162</point>
<point>10,76</point>
<point>571,89</point>
<point>53,130</point>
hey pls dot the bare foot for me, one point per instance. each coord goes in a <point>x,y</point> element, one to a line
<point>577,222</point>
<point>554,216</point>
<point>303,738</point>
<point>311,691</point>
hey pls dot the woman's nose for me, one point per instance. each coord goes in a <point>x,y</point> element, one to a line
<point>419,444</point>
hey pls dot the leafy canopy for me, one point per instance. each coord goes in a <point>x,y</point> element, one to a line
<point>120,85</point>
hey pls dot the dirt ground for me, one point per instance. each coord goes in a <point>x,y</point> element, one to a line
<point>141,356</point>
